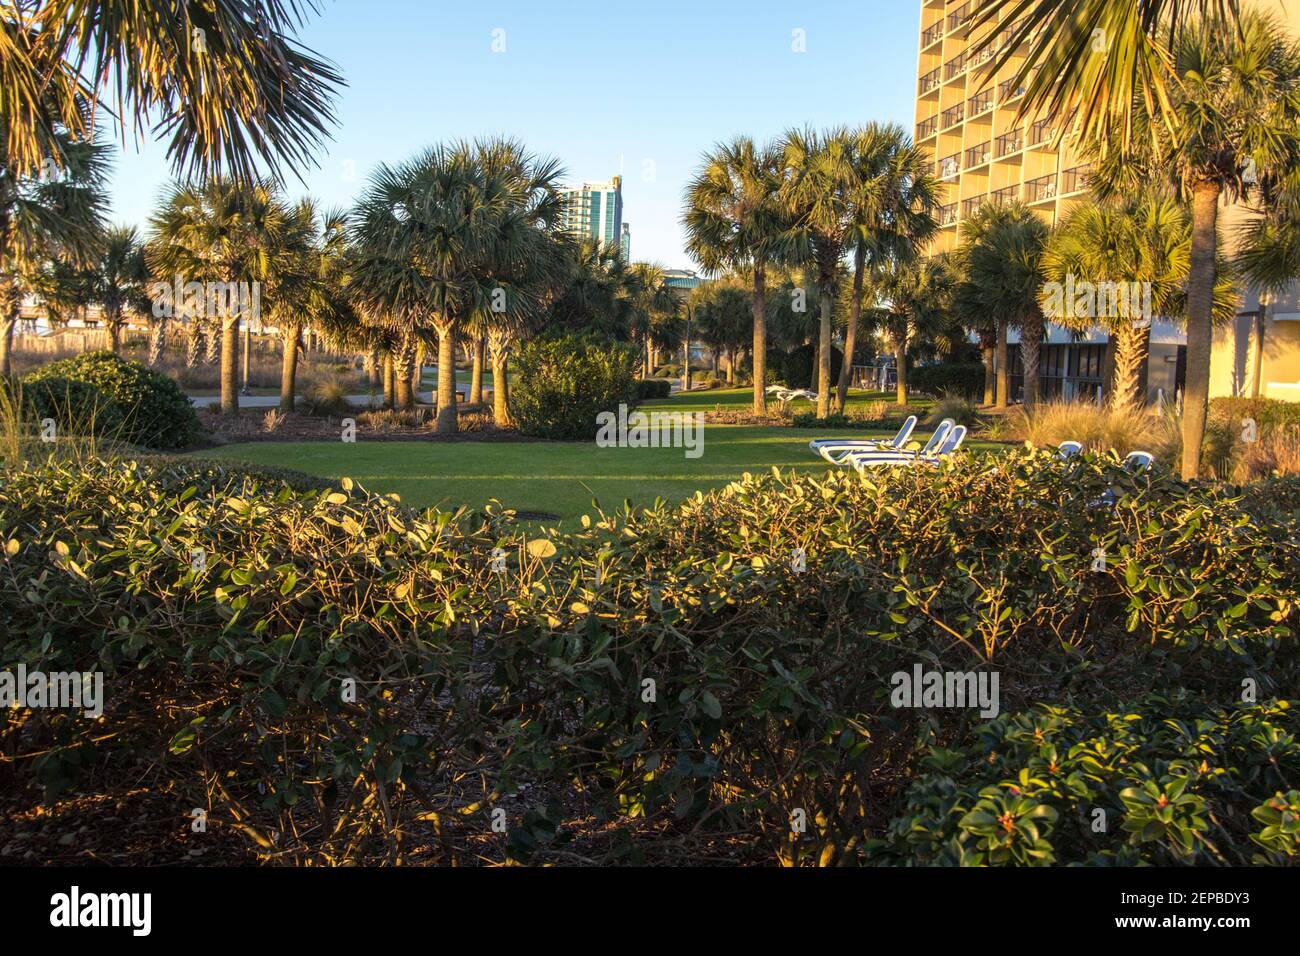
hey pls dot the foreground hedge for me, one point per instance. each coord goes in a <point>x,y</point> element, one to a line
<point>711,668</point>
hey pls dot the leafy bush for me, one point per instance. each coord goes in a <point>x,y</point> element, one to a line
<point>768,684</point>
<point>76,407</point>
<point>1269,414</point>
<point>798,367</point>
<point>1170,780</point>
<point>564,382</point>
<point>649,389</point>
<point>964,379</point>
<point>155,412</point>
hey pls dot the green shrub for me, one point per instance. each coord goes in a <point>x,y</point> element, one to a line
<point>1269,414</point>
<point>650,389</point>
<point>770,682</point>
<point>964,379</point>
<point>798,367</point>
<point>155,412</point>
<point>1168,780</point>
<point>76,407</point>
<point>563,382</point>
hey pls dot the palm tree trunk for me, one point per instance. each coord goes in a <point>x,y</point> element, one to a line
<point>11,302</point>
<point>157,342</point>
<point>446,424</point>
<point>402,393</point>
<point>731,366</point>
<point>824,352</point>
<point>230,366</point>
<point>851,333</point>
<point>1003,397</point>
<point>193,344</point>
<point>987,354</point>
<point>900,359</point>
<point>476,371</point>
<point>389,376</point>
<point>417,372</point>
<point>1132,342</point>
<point>760,340</point>
<point>7,324</point>
<point>1261,325</point>
<point>1031,340</point>
<point>213,336</point>
<point>289,365</point>
<point>500,395</point>
<point>113,319</point>
<point>1201,277</point>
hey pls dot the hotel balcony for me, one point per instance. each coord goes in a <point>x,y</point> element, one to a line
<point>1075,180</point>
<point>930,82</point>
<point>1008,144</point>
<point>1042,134</point>
<point>954,67</point>
<point>971,206</point>
<point>960,18</point>
<point>952,116</point>
<point>948,167</point>
<point>948,214</point>
<point>1000,197</point>
<point>979,155</point>
<point>1010,91</point>
<point>979,104</point>
<point>932,36</point>
<point>927,128</point>
<point>1041,189</point>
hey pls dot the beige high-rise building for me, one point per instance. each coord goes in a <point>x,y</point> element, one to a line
<point>966,115</point>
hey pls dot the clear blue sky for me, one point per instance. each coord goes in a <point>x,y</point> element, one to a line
<point>641,88</point>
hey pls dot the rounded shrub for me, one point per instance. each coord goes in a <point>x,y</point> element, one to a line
<point>563,382</point>
<point>962,379</point>
<point>155,412</point>
<point>76,407</point>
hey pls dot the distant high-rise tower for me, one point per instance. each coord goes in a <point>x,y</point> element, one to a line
<point>595,211</point>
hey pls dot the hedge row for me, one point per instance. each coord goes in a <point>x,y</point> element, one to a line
<point>704,669</point>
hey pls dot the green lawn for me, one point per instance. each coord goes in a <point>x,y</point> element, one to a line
<point>558,478</point>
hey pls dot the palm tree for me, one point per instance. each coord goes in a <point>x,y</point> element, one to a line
<point>894,194</point>
<point>1003,277</point>
<point>722,320</point>
<point>305,284</point>
<point>220,231</point>
<point>735,220</point>
<point>452,236</point>
<point>55,216</point>
<point>1269,257</point>
<point>231,84</point>
<point>595,290</point>
<point>1099,56</point>
<point>915,305</point>
<point>820,189</point>
<point>650,301</point>
<point>1231,130</point>
<point>119,280</point>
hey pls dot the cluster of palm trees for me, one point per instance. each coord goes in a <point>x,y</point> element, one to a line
<point>810,200</point>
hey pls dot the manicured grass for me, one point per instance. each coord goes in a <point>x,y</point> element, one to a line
<point>560,478</point>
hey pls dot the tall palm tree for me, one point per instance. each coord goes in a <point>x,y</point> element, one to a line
<point>1231,130</point>
<point>1098,56</point>
<point>735,220</point>
<point>595,290</point>
<point>894,194</point>
<point>54,216</point>
<point>232,85</point>
<point>819,190</point>
<point>305,284</point>
<point>650,300</point>
<point>1003,265</point>
<point>219,231</point>
<point>722,320</point>
<point>1269,257</point>
<point>915,304</point>
<point>1144,239</point>
<point>119,280</point>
